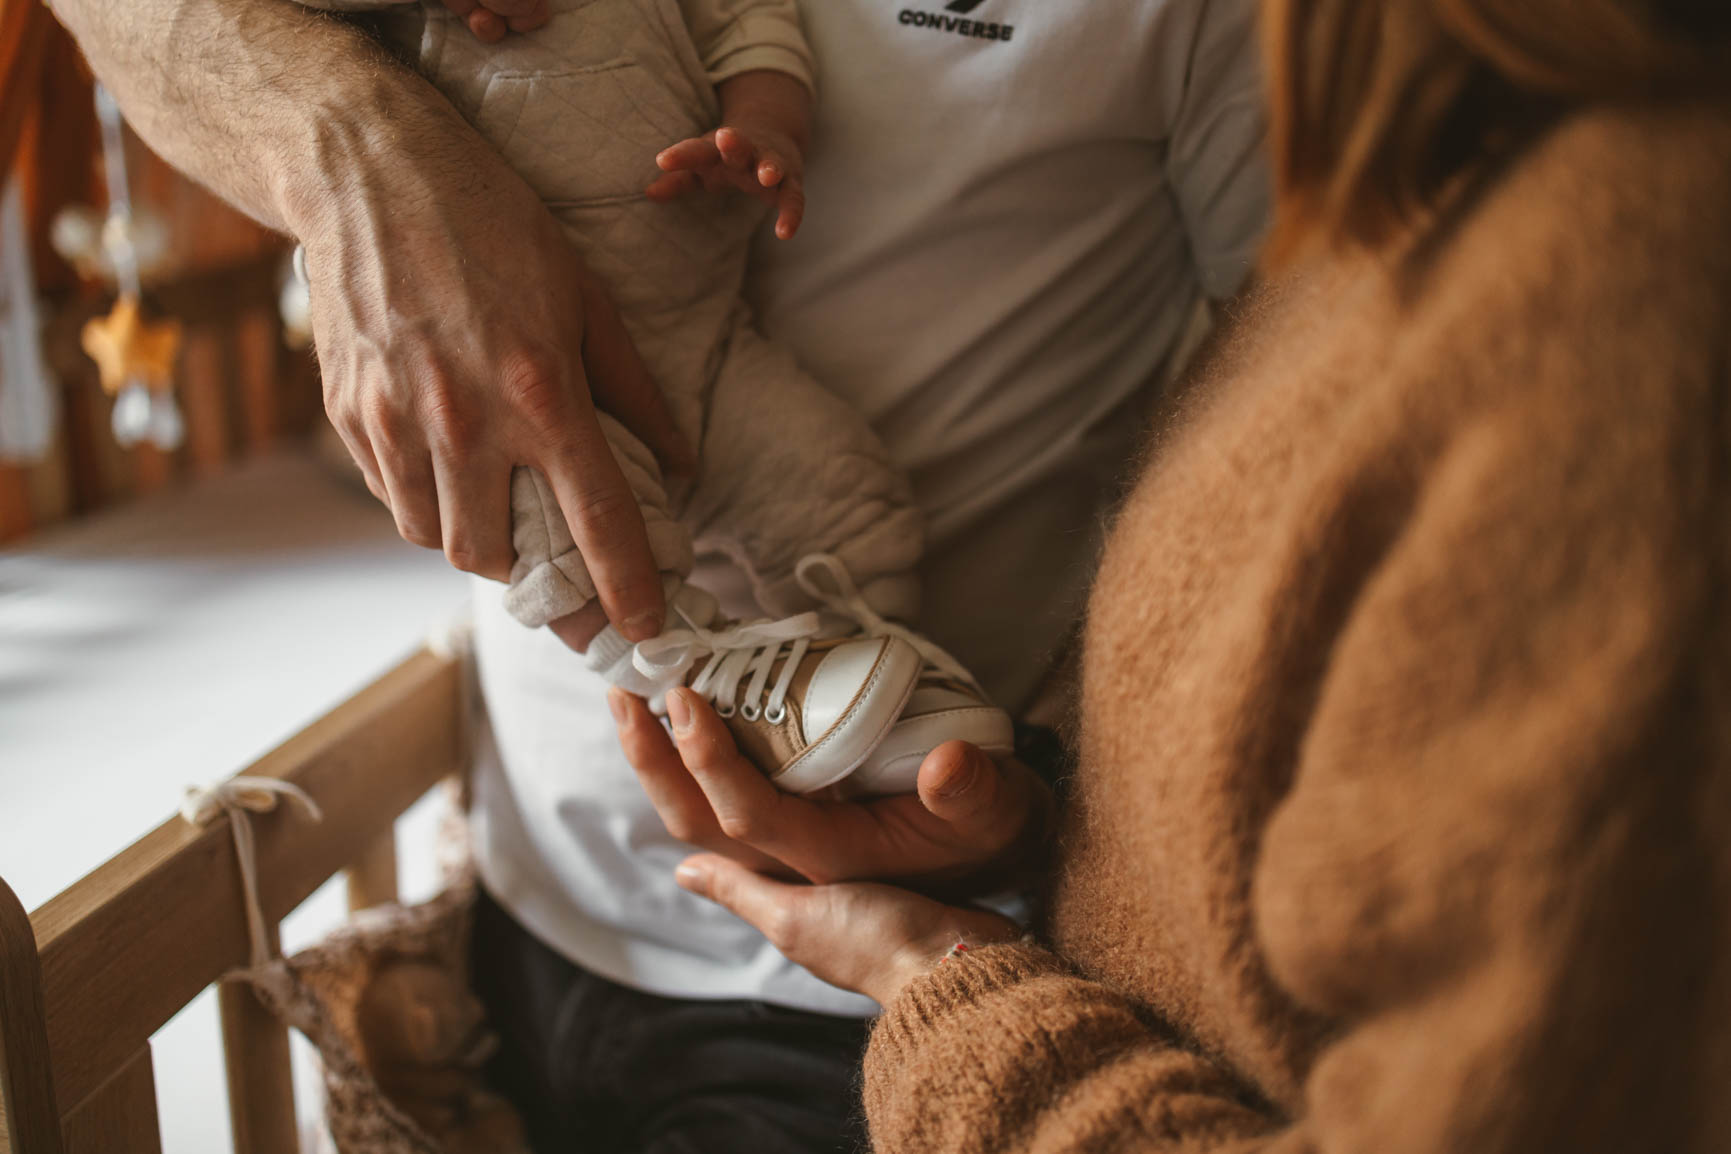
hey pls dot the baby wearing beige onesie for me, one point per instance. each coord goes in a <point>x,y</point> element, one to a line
<point>792,484</point>
<point>580,108</point>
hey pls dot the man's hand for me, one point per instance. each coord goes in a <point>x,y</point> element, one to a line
<point>456,341</point>
<point>759,149</point>
<point>871,939</point>
<point>489,20</point>
<point>970,818</point>
<point>458,333</point>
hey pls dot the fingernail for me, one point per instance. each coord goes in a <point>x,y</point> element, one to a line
<point>616,703</point>
<point>641,627</point>
<point>962,778</point>
<point>678,710</point>
<point>692,878</point>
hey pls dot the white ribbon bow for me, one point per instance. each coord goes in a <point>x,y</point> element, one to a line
<point>240,797</point>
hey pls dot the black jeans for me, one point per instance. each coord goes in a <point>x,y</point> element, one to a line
<point>603,1069</point>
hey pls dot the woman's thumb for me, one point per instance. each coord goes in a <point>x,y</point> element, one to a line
<point>959,783</point>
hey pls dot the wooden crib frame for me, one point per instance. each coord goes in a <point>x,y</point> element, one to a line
<point>88,978</point>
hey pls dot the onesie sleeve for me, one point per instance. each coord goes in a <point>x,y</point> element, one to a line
<point>734,36</point>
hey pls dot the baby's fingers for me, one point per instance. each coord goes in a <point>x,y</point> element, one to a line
<point>670,186</point>
<point>737,150</point>
<point>790,208</point>
<point>486,25</point>
<point>687,155</point>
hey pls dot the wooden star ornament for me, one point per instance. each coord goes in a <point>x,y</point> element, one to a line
<point>128,348</point>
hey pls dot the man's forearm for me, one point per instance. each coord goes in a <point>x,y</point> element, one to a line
<point>284,112</point>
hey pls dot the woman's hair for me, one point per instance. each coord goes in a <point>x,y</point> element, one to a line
<point>1383,110</point>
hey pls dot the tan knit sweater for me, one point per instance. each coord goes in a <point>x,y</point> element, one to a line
<point>1404,807</point>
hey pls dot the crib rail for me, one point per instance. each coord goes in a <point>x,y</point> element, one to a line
<point>87,978</point>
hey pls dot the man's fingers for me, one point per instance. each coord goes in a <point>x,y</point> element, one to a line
<point>620,385</point>
<point>475,512</point>
<point>607,526</point>
<point>410,490</point>
<point>687,155</point>
<point>460,8</point>
<point>362,454</point>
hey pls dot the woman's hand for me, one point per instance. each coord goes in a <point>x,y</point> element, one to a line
<point>972,819</point>
<point>873,939</point>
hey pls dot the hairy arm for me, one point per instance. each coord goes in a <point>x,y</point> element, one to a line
<point>458,334</point>
<point>280,110</point>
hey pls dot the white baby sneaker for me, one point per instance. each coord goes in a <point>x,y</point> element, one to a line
<point>838,699</point>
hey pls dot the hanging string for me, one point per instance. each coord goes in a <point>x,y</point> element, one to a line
<point>240,798</point>
<point>117,231</point>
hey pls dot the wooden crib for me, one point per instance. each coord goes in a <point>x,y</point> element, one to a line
<point>88,978</point>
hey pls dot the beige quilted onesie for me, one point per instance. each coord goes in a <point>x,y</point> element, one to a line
<point>580,108</point>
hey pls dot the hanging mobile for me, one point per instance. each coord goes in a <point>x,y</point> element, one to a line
<point>134,356</point>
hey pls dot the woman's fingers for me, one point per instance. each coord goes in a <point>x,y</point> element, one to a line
<point>746,806</point>
<point>762,901</point>
<point>873,939</point>
<point>682,806</point>
<point>984,803</point>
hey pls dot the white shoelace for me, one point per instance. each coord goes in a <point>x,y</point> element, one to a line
<point>750,650</point>
<point>843,597</point>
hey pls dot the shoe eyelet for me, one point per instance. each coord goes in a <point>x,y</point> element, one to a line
<point>750,711</point>
<point>775,716</point>
<point>725,709</point>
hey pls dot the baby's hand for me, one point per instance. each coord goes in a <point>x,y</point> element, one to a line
<point>489,20</point>
<point>759,148</point>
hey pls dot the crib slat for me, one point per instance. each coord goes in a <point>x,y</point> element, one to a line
<point>174,896</point>
<point>29,1119</point>
<point>261,1094</point>
<point>120,1117</point>
<point>373,878</point>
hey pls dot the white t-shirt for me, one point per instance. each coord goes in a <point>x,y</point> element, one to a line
<point>1015,206</point>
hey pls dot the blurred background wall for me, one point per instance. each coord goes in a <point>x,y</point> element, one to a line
<point>241,389</point>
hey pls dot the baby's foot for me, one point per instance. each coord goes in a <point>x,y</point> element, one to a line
<point>834,699</point>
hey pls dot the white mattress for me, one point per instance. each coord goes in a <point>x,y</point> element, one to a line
<point>172,642</point>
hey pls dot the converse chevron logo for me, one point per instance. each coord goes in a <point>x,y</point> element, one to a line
<point>958,24</point>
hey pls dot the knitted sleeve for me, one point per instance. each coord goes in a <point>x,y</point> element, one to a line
<point>1503,864</point>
